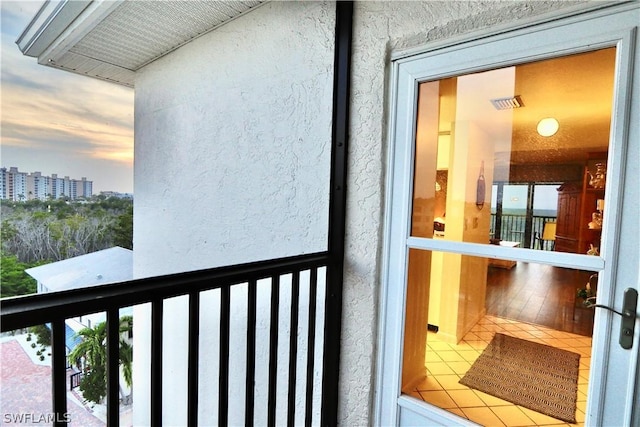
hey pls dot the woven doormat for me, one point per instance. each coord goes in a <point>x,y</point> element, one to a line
<point>532,375</point>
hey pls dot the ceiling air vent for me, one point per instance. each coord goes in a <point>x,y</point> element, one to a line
<point>508,103</point>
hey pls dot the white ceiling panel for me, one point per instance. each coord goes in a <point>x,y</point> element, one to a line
<point>136,33</point>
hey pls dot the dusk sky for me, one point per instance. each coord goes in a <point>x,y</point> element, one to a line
<point>58,122</point>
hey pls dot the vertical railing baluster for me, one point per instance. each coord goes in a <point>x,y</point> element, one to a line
<point>293,348</point>
<point>193,358</point>
<point>113,366</point>
<point>59,372</point>
<point>156,362</point>
<point>311,345</point>
<point>273,350</point>
<point>251,355</point>
<point>223,382</point>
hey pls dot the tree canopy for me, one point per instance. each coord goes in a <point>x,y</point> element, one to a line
<point>36,232</point>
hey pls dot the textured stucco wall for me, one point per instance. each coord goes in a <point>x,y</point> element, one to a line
<point>233,139</point>
<point>379,29</point>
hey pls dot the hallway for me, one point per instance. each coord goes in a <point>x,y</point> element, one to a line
<point>541,295</point>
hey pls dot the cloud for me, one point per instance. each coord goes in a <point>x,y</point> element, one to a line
<point>58,115</point>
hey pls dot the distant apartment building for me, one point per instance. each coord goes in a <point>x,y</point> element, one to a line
<point>116,194</point>
<point>20,186</point>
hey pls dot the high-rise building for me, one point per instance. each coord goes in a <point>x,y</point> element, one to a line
<point>20,186</point>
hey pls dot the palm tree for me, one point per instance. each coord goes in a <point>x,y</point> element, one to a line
<point>93,350</point>
<point>126,349</point>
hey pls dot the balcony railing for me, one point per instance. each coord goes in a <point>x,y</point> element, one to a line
<point>54,308</point>
<point>514,228</point>
<point>74,380</point>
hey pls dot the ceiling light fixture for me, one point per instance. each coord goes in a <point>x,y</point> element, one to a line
<point>548,126</point>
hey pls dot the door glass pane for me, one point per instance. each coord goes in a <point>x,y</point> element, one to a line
<point>470,304</point>
<point>516,156</point>
<point>487,170</point>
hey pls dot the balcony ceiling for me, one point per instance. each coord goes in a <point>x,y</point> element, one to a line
<point>112,40</point>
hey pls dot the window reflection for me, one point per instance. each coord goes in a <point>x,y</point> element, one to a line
<point>486,174</point>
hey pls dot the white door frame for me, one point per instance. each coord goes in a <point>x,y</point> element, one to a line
<point>611,394</point>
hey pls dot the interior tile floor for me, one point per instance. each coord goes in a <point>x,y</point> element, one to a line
<point>447,363</point>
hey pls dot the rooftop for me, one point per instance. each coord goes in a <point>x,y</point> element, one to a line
<point>97,268</point>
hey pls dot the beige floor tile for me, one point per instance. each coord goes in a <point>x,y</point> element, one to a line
<point>585,362</point>
<point>450,356</point>
<point>471,336</point>
<point>560,425</point>
<point>501,320</point>
<point>539,334</point>
<point>439,398</point>
<point>429,383</point>
<point>432,356</point>
<point>478,345</point>
<point>459,368</point>
<point>586,341</point>
<point>512,327</point>
<point>540,419</point>
<point>490,400</point>
<point>560,334</point>
<point>438,345</point>
<point>492,328</point>
<point>580,417</point>
<point>582,397</point>
<point>465,346</point>
<point>414,393</point>
<point>478,328</point>
<point>439,368</point>
<point>469,355</point>
<point>557,343</point>
<point>582,388</point>
<point>567,344</point>
<point>583,377</point>
<point>450,382</point>
<point>457,411</point>
<point>483,416</point>
<point>512,416</point>
<point>575,341</point>
<point>536,340</point>
<point>485,336</point>
<point>583,351</point>
<point>466,398</point>
<point>523,335</point>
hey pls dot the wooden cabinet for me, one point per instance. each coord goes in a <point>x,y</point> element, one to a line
<point>576,203</point>
<point>568,224</point>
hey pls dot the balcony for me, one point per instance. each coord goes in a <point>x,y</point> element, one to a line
<point>524,229</point>
<point>295,292</point>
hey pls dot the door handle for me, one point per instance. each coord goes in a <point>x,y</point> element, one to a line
<point>628,314</point>
<point>628,323</point>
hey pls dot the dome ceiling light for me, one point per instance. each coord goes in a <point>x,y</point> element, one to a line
<point>548,126</point>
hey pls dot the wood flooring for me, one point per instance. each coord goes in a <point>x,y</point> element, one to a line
<point>539,294</point>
